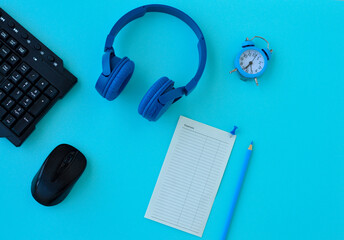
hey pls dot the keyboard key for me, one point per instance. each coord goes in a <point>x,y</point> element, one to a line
<point>5,69</point>
<point>11,24</point>
<point>22,51</point>
<point>26,102</point>
<point>22,124</point>
<point>16,94</point>
<point>51,92</point>
<point>42,84</point>
<point>37,46</point>
<point>39,105</point>
<point>2,95</point>
<point>24,85</point>
<point>24,35</point>
<point>17,111</point>
<point>13,59</point>
<point>24,68</point>
<point>3,35</point>
<point>34,93</point>
<point>9,120</point>
<point>50,58</point>
<point>12,42</point>
<point>8,103</point>
<point>4,51</point>
<point>7,86</point>
<point>2,112</point>
<point>32,76</point>
<point>15,77</point>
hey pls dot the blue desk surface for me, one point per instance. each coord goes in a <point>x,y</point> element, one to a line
<point>295,185</point>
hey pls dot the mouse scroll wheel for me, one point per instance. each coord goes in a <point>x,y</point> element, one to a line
<point>69,158</point>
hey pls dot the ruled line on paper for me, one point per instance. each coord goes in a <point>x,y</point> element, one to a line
<point>190,176</point>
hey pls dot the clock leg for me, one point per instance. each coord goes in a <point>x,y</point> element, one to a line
<point>256,80</point>
<point>234,70</point>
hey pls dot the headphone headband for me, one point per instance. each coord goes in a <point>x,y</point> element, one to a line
<point>140,12</point>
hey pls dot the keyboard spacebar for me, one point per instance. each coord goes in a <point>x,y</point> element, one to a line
<point>39,105</point>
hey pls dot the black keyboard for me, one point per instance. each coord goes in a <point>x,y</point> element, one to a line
<point>32,79</point>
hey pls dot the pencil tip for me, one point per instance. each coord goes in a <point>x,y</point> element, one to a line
<point>251,142</point>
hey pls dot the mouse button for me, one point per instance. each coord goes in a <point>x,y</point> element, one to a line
<point>53,163</point>
<point>69,157</point>
<point>66,163</point>
<point>56,156</point>
<point>50,166</point>
<point>43,174</point>
<point>80,162</point>
<point>74,169</point>
<point>77,160</point>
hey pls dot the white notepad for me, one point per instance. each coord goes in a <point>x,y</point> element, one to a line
<point>190,176</point>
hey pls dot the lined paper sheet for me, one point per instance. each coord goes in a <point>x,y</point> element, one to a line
<point>190,176</point>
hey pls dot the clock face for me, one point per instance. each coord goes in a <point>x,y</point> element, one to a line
<point>252,61</point>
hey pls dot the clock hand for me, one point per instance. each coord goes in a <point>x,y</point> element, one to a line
<point>250,63</point>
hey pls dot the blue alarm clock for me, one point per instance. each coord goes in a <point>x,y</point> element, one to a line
<point>251,62</point>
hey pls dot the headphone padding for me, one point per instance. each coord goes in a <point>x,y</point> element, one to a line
<point>155,91</point>
<point>119,78</point>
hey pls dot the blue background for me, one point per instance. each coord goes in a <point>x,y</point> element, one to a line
<point>294,188</point>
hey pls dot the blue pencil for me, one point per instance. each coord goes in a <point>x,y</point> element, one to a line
<point>237,191</point>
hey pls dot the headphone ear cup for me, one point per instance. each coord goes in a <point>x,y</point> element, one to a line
<point>119,78</point>
<point>122,70</point>
<point>150,107</point>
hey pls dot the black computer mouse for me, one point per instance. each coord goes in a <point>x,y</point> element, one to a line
<point>58,174</point>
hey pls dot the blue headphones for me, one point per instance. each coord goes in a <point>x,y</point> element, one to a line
<point>117,71</point>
